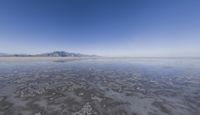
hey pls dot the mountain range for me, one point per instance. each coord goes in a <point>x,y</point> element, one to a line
<point>51,54</point>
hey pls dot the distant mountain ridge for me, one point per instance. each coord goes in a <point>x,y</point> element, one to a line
<point>63,54</point>
<point>51,54</point>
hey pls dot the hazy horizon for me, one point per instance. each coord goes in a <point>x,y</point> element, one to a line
<point>114,28</point>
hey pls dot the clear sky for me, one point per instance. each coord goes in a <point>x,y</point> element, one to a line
<point>102,27</point>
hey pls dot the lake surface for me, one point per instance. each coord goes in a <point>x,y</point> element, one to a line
<point>100,87</point>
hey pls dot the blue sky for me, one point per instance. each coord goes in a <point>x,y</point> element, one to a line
<point>102,27</point>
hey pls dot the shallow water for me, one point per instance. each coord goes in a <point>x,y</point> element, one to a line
<point>100,87</point>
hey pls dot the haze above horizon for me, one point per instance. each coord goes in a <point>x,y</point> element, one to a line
<point>132,28</point>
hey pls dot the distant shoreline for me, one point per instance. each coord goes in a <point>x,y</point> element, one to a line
<point>13,59</point>
<point>43,58</point>
<point>154,57</point>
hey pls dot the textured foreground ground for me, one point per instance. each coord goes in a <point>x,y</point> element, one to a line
<point>100,87</point>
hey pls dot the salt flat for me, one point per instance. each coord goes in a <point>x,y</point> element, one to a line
<point>100,86</point>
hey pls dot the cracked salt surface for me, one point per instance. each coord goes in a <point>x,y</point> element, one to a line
<point>101,87</point>
<point>85,110</point>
